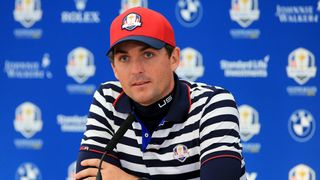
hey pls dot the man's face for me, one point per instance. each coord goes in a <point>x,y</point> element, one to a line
<point>146,74</point>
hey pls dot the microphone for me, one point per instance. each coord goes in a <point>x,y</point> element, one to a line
<point>114,140</point>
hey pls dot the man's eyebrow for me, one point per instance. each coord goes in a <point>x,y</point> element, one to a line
<point>146,47</point>
<point>119,50</point>
<point>116,51</point>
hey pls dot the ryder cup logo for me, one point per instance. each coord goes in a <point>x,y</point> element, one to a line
<point>28,171</point>
<point>302,172</point>
<point>27,12</point>
<point>190,67</point>
<point>249,122</point>
<point>127,4</point>
<point>80,64</point>
<point>301,65</point>
<point>131,21</point>
<point>301,125</point>
<point>189,12</point>
<point>244,12</point>
<point>180,152</point>
<point>28,119</point>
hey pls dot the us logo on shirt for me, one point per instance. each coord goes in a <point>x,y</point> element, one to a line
<point>180,152</point>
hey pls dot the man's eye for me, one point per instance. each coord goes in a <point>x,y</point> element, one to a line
<point>123,58</point>
<point>148,55</point>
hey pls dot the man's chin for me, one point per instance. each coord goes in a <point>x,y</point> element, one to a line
<point>143,100</point>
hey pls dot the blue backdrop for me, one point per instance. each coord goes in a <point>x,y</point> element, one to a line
<point>52,58</point>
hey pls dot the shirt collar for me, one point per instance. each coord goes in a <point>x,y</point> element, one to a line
<point>179,108</point>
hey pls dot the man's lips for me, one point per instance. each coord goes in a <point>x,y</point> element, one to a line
<point>140,83</point>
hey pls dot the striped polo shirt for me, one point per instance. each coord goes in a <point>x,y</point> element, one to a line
<point>202,124</point>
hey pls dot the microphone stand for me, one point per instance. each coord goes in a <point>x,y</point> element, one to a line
<point>114,140</point>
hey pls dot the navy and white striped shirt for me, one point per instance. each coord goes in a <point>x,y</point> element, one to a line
<point>201,125</point>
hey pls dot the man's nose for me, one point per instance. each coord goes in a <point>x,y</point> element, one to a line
<point>137,66</point>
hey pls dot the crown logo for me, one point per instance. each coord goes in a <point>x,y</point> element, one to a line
<point>80,4</point>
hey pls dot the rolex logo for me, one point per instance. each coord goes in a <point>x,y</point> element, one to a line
<point>80,4</point>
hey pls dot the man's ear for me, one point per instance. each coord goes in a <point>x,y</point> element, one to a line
<point>175,58</point>
<point>115,71</point>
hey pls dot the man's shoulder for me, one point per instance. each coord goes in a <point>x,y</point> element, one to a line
<point>200,88</point>
<point>110,88</point>
<point>111,84</point>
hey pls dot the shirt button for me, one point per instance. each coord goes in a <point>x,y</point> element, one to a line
<point>146,135</point>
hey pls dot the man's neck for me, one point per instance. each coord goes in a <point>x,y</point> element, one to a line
<point>156,108</point>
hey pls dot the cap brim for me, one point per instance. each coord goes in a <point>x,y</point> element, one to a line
<point>155,43</point>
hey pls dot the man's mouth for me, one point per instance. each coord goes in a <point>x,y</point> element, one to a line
<point>140,83</point>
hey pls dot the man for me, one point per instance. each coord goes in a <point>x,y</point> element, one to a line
<point>182,130</point>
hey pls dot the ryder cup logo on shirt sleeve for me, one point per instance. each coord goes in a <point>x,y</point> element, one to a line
<point>27,12</point>
<point>80,64</point>
<point>302,172</point>
<point>301,65</point>
<point>28,119</point>
<point>190,67</point>
<point>301,125</point>
<point>28,171</point>
<point>131,21</point>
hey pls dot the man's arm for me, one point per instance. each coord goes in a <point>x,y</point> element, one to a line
<point>221,168</point>
<point>221,151</point>
<point>108,171</point>
<point>98,132</point>
<point>86,154</point>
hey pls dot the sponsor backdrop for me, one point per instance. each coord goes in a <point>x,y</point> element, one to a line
<point>52,58</point>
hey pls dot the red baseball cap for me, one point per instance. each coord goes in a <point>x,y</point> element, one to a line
<point>143,25</point>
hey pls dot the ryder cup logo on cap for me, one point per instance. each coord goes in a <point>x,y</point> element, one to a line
<point>131,21</point>
<point>244,12</point>
<point>301,65</point>
<point>180,152</point>
<point>28,171</point>
<point>28,119</point>
<point>249,122</point>
<point>302,172</point>
<point>127,4</point>
<point>80,64</point>
<point>189,12</point>
<point>143,25</point>
<point>190,67</point>
<point>27,12</point>
<point>301,125</point>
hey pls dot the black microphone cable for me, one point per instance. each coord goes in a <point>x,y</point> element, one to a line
<point>114,140</point>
